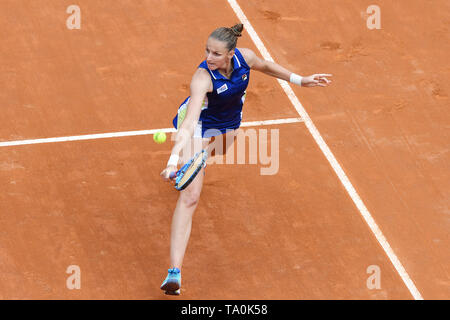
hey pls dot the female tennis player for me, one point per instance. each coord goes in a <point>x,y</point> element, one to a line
<point>214,108</point>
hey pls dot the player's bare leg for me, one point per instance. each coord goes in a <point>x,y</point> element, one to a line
<point>184,211</point>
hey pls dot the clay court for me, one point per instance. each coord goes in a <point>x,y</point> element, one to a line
<point>363,177</point>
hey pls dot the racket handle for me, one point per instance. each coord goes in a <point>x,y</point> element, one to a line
<point>173,175</point>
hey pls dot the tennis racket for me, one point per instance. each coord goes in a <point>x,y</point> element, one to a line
<point>189,171</point>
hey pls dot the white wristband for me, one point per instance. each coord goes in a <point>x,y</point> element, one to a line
<point>295,78</point>
<point>173,160</point>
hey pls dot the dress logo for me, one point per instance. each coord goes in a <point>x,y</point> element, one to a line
<point>244,77</point>
<point>222,88</point>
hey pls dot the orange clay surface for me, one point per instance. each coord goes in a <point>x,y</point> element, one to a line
<point>101,205</point>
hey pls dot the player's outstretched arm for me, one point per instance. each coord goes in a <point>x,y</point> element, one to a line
<point>200,85</point>
<point>277,71</point>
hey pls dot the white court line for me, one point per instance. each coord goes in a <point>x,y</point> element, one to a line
<point>132,133</point>
<point>270,122</point>
<point>330,157</point>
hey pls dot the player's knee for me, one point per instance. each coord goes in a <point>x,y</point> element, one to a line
<point>190,197</point>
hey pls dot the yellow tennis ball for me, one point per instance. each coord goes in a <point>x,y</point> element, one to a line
<point>159,137</point>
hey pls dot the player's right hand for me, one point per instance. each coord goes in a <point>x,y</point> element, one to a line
<point>165,174</point>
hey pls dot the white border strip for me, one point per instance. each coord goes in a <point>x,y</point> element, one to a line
<point>131,133</point>
<point>330,157</point>
<point>270,122</point>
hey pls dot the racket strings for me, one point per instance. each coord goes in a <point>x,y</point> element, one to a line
<point>195,165</point>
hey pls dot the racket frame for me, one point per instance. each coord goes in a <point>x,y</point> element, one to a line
<point>180,173</point>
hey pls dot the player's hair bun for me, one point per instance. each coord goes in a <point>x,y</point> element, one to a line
<point>228,35</point>
<point>237,29</point>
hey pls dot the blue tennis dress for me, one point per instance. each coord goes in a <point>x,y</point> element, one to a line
<point>222,108</point>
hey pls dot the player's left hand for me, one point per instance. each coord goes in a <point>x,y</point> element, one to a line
<point>315,80</point>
